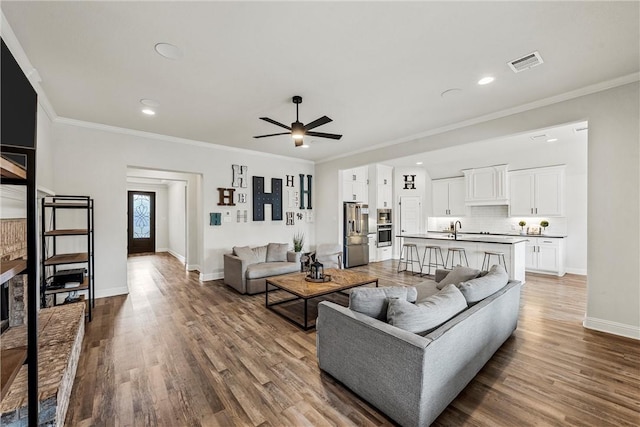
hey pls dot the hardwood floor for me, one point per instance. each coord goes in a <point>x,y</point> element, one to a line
<point>177,352</point>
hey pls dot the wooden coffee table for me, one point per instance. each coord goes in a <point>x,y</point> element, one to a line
<point>296,284</point>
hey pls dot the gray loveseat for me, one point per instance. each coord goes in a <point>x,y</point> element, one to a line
<point>247,269</point>
<point>409,377</point>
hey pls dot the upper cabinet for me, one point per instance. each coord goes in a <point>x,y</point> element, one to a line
<point>537,192</point>
<point>448,197</point>
<point>486,186</point>
<point>355,185</point>
<point>384,180</point>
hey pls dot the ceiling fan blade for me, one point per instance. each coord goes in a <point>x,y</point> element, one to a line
<point>324,135</point>
<point>273,134</point>
<point>319,122</point>
<point>267,119</point>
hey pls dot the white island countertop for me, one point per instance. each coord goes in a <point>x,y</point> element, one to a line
<point>479,238</point>
<point>475,249</point>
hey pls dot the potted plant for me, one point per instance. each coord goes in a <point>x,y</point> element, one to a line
<point>544,224</point>
<point>522,224</point>
<point>298,242</point>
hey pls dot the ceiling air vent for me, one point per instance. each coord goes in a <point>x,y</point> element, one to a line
<point>526,62</point>
<point>581,128</point>
<point>541,137</point>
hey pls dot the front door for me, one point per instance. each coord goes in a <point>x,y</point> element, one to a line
<point>141,228</point>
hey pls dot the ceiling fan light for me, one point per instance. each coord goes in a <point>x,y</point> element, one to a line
<point>297,136</point>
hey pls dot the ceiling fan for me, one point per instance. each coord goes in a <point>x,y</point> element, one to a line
<point>298,130</point>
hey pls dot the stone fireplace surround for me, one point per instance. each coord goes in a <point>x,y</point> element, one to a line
<point>60,335</point>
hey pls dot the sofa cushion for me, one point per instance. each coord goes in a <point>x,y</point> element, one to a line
<point>427,314</point>
<point>373,301</point>
<point>245,253</point>
<point>277,252</point>
<point>457,275</point>
<point>268,269</point>
<point>479,288</point>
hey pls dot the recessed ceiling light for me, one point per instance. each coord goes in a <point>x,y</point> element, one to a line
<point>552,139</point>
<point>148,111</point>
<point>485,80</point>
<point>418,163</point>
<point>149,103</point>
<point>169,51</point>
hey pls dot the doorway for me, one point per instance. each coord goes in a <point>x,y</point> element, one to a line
<point>141,220</point>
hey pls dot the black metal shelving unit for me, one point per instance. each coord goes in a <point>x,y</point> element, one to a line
<point>19,168</point>
<point>52,259</point>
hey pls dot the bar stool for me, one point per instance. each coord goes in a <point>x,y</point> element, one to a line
<point>435,250</point>
<point>409,249</point>
<point>486,261</point>
<point>453,252</point>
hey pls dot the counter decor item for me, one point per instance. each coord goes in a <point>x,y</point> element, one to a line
<point>544,224</point>
<point>533,230</point>
<point>522,224</point>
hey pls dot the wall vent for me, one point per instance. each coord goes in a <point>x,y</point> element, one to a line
<point>540,137</point>
<point>528,61</point>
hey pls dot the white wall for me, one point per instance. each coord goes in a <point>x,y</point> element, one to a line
<point>613,178</point>
<point>177,219</point>
<point>94,162</point>
<point>162,212</point>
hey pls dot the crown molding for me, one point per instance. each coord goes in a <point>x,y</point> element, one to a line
<point>167,138</point>
<point>587,90</point>
<point>28,69</point>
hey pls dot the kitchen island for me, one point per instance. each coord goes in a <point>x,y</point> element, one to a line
<point>475,245</point>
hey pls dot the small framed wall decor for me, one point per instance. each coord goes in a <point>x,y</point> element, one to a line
<point>215,218</point>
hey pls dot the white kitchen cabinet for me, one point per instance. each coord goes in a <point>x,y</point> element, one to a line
<point>381,179</point>
<point>486,186</point>
<point>384,197</point>
<point>354,185</point>
<point>537,192</point>
<point>545,255</point>
<point>448,197</point>
<point>384,253</point>
<point>373,248</point>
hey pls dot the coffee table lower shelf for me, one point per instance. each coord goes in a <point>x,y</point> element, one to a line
<point>305,291</point>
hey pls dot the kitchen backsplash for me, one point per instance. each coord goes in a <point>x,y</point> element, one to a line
<point>495,219</point>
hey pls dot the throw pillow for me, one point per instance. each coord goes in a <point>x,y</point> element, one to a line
<point>373,301</point>
<point>481,287</point>
<point>426,314</point>
<point>277,252</point>
<point>245,253</point>
<point>457,275</point>
<point>260,252</point>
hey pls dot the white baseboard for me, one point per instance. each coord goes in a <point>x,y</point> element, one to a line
<point>610,327</point>
<point>192,267</point>
<point>162,249</point>
<point>211,276</point>
<point>177,256</point>
<point>580,271</point>
<point>110,292</point>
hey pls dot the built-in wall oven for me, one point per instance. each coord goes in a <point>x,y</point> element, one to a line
<point>384,235</point>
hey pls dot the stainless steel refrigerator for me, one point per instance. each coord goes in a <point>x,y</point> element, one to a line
<point>356,228</point>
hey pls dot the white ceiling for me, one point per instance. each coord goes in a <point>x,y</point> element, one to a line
<point>376,68</point>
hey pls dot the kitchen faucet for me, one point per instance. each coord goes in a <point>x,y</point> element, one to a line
<point>455,229</point>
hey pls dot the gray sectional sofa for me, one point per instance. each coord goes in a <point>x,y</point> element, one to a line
<point>413,377</point>
<point>246,269</point>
